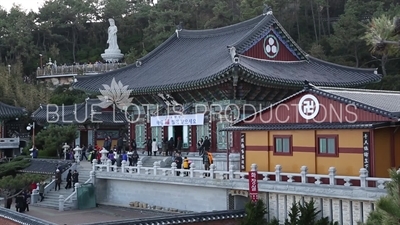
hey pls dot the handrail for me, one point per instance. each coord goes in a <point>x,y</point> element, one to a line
<point>70,196</point>
<point>78,69</point>
<point>330,179</point>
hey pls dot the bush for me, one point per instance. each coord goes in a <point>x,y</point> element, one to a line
<point>11,168</point>
<point>49,141</point>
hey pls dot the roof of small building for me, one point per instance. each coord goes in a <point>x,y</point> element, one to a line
<point>181,219</point>
<point>22,218</point>
<point>194,59</point>
<point>7,111</point>
<point>46,166</point>
<point>87,112</point>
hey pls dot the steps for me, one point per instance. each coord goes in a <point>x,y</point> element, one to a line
<point>51,199</point>
<point>148,161</point>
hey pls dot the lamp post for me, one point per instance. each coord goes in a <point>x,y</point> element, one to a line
<point>9,69</point>
<point>32,127</point>
<point>78,153</point>
<point>65,147</point>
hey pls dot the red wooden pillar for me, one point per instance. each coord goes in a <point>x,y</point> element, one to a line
<point>132,127</point>
<point>193,145</point>
<point>372,152</point>
<point>165,131</point>
<point>213,134</point>
<point>236,142</point>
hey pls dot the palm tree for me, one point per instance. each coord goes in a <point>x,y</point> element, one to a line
<point>388,207</point>
<point>383,36</point>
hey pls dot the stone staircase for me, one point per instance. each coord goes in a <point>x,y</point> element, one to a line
<point>51,199</point>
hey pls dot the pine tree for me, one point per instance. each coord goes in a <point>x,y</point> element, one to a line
<point>255,214</point>
<point>388,207</point>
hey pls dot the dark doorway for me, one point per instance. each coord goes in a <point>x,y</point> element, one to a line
<point>178,132</point>
<point>84,138</point>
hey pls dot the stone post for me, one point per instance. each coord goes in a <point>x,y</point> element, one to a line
<point>34,196</point>
<point>278,170</point>
<point>332,174</point>
<point>192,168</point>
<point>108,165</point>
<point>155,168</point>
<point>123,165</point>
<point>173,168</point>
<point>94,163</point>
<point>61,203</point>
<point>303,172</point>
<point>231,172</point>
<point>139,166</point>
<point>93,177</point>
<point>212,169</point>
<point>363,177</point>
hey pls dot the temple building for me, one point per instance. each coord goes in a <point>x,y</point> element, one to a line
<point>94,123</point>
<point>10,129</point>
<point>323,127</point>
<point>227,70</point>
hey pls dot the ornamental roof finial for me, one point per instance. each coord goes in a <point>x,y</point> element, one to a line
<point>179,27</point>
<point>267,10</point>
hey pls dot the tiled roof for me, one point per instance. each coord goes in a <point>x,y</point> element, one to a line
<point>302,126</point>
<point>78,114</point>
<point>181,219</point>
<point>46,166</point>
<point>200,59</point>
<point>372,100</point>
<point>7,111</point>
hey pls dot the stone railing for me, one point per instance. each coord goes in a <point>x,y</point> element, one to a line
<point>73,198</point>
<point>9,142</point>
<point>303,177</point>
<point>79,69</point>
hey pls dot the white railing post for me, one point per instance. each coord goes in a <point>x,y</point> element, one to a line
<point>173,169</point>
<point>139,166</point>
<point>93,177</point>
<point>303,172</point>
<point>61,203</point>
<point>212,169</point>
<point>192,168</point>
<point>156,165</point>
<point>123,165</point>
<point>108,165</point>
<point>332,174</point>
<point>231,172</point>
<point>94,163</point>
<point>278,170</point>
<point>363,177</point>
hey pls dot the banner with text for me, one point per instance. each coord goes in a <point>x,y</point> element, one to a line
<point>253,186</point>
<point>177,120</point>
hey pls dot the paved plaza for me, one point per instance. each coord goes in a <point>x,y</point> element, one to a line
<point>99,214</point>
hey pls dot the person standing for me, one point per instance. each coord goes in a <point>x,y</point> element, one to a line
<point>58,179</point>
<point>69,180</point>
<point>120,144</point>
<point>186,165</point>
<point>84,150</point>
<point>75,179</point>
<point>27,199</point>
<point>133,145</point>
<point>42,184</point>
<point>178,161</point>
<point>154,147</point>
<point>171,146</point>
<point>206,162</point>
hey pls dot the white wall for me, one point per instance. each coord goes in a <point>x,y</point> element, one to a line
<point>190,198</point>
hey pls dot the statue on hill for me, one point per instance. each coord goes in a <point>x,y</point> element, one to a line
<point>112,35</point>
<point>112,54</point>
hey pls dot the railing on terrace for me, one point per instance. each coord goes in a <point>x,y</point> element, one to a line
<point>79,69</point>
<point>330,179</point>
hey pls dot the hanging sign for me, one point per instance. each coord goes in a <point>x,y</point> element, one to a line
<point>242,152</point>
<point>177,120</point>
<point>366,146</point>
<point>253,186</point>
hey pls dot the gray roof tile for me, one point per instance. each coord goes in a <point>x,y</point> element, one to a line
<point>197,59</point>
<point>7,111</point>
<point>46,166</point>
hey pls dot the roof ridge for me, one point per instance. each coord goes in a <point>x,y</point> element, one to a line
<point>290,38</point>
<point>339,65</point>
<point>372,91</point>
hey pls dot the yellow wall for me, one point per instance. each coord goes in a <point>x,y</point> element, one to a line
<point>382,152</point>
<point>259,142</point>
<point>100,143</point>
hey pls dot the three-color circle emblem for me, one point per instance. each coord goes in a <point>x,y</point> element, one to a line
<point>271,46</point>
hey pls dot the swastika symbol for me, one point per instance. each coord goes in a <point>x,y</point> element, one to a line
<point>308,107</point>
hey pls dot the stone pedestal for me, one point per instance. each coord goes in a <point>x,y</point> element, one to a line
<point>112,55</point>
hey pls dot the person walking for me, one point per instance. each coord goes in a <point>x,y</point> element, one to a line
<point>69,179</point>
<point>75,179</point>
<point>27,199</point>
<point>84,150</point>
<point>58,179</point>
<point>42,184</point>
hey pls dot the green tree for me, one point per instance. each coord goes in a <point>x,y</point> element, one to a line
<point>51,139</point>
<point>387,211</point>
<point>11,186</point>
<point>306,214</point>
<point>12,167</point>
<point>255,213</point>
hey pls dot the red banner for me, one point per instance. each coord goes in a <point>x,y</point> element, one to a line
<point>253,186</point>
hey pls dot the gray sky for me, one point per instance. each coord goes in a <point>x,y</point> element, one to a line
<point>25,4</point>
